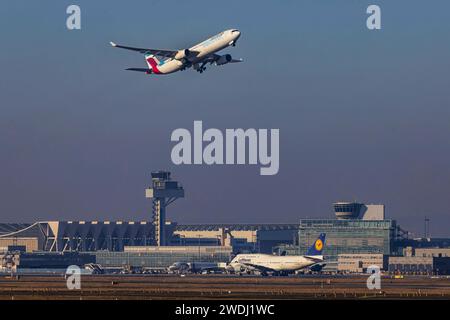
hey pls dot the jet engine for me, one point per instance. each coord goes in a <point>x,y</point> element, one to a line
<point>224,59</point>
<point>182,54</point>
<point>317,267</point>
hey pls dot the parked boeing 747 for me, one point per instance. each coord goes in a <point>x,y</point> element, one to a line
<point>197,57</point>
<point>265,263</point>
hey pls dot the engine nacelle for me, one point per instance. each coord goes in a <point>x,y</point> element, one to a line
<point>224,59</point>
<point>182,54</point>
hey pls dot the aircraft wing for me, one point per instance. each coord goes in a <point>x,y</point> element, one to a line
<point>257,267</point>
<point>315,259</point>
<point>156,52</point>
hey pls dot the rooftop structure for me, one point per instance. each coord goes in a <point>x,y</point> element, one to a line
<point>355,210</point>
<point>243,237</point>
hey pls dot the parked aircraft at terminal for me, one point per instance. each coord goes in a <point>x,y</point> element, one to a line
<point>197,57</point>
<point>265,263</point>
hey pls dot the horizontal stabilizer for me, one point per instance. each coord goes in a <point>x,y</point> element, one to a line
<point>140,70</point>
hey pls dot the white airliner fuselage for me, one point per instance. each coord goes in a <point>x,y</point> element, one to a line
<point>197,56</point>
<point>267,262</point>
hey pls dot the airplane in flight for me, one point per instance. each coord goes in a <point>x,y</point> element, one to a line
<point>279,265</point>
<point>196,57</point>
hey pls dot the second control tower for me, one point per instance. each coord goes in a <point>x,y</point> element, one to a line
<point>163,191</point>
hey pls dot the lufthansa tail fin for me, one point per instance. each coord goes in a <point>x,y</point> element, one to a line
<point>317,247</point>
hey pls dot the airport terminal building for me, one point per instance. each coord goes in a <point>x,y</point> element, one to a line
<point>52,244</point>
<point>349,236</point>
<point>359,234</point>
<point>62,236</point>
<point>132,244</point>
<point>162,257</point>
<point>357,229</point>
<point>87,236</point>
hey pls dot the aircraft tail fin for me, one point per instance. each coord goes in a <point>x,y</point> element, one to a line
<point>317,247</point>
<point>152,61</point>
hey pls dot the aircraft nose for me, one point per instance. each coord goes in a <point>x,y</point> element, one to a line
<point>236,33</point>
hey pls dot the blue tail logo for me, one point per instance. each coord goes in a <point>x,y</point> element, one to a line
<point>317,247</point>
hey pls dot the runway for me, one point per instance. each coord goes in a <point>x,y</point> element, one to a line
<point>221,287</point>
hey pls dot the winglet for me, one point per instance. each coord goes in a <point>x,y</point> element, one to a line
<point>113,44</point>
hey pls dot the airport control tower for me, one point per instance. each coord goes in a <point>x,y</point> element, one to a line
<point>163,191</point>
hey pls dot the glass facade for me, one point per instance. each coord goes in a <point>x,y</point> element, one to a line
<point>347,207</point>
<point>347,210</point>
<point>162,258</point>
<point>348,236</point>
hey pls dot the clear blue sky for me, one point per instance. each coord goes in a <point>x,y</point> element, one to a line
<point>362,115</point>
